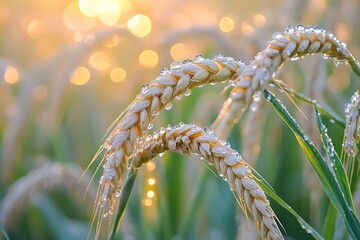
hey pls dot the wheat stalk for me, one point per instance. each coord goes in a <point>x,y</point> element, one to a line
<point>137,117</point>
<point>41,180</point>
<point>292,44</point>
<point>193,141</point>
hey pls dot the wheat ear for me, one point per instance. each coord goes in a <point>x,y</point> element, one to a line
<point>352,129</point>
<point>137,117</point>
<point>292,44</point>
<point>41,180</point>
<point>193,141</point>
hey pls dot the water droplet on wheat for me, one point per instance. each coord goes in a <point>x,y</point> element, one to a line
<point>168,106</point>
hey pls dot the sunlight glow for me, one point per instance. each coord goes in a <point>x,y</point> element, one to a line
<point>150,194</point>
<point>139,25</point>
<point>226,24</point>
<point>11,75</point>
<point>80,76</point>
<point>246,29</point>
<point>99,60</point>
<point>178,51</point>
<point>148,58</point>
<point>75,20</point>
<point>118,75</point>
<point>259,20</point>
<point>150,166</point>
<point>32,27</point>
<point>151,181</point>
<point>147,202</point>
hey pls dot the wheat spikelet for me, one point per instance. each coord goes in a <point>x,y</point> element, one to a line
<point>41,180</point>
<point>352,129</point>
<point>192,140</point>
<point>134,121</point>
<point>292,44</point>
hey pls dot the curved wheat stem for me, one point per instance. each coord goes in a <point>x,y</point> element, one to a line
<point>292,44</point>
<point>192,140</point>
<point>41,180</point>
<point>136,118</point>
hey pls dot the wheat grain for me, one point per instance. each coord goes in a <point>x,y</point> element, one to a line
<point>41,180</point>
<point>192,140</point>
<point>292,44</point>
<point>134,121</point>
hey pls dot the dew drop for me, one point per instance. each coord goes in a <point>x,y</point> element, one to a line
<point>178,97</point>
<point>168,106</point>
<point>175,65</point>
<point>294,58</point>
<point>164,71</point>
<point>144,88</point>
<point>300,27</point>
<point>150,126</point>
<point>289,30</point>
<point>187,93</point>
<point>199,58</point>
<point>208,130</point>
<point>277,35</point>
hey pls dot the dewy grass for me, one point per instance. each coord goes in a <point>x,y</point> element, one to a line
<point>127,131</point>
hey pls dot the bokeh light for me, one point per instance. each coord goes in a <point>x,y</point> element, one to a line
<point>99,60</point>
<point>109,12</point>
<point>75,20</point>
<point>32,28</point>
<point>151,181</point>
<point>80,76</point>
<point>259,20</point>
<point>147,202</point>
<point>148,58</point>
<point>139,25</point>
<point>118,75</point>
<point>150,194</point>
<point>178,51</point>
<point>247,29</point>
<point>11,75</point>
<point>226,24</point>
<point>150,166</point>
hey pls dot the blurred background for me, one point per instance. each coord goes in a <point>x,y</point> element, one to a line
<point>69,68</point>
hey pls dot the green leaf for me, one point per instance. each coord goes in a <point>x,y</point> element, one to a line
<point>326,177</point>
<point>282,203</point>
<point>338,169</point>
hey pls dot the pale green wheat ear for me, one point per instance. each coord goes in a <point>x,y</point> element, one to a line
<point>193,141</point>
<point>294,43</point>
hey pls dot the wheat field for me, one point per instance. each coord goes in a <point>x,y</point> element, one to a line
<point>179,120</point>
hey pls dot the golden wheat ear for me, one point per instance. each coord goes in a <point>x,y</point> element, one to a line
<point>294,43</point>
<point>193,141</point>
<point>137,117</point>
